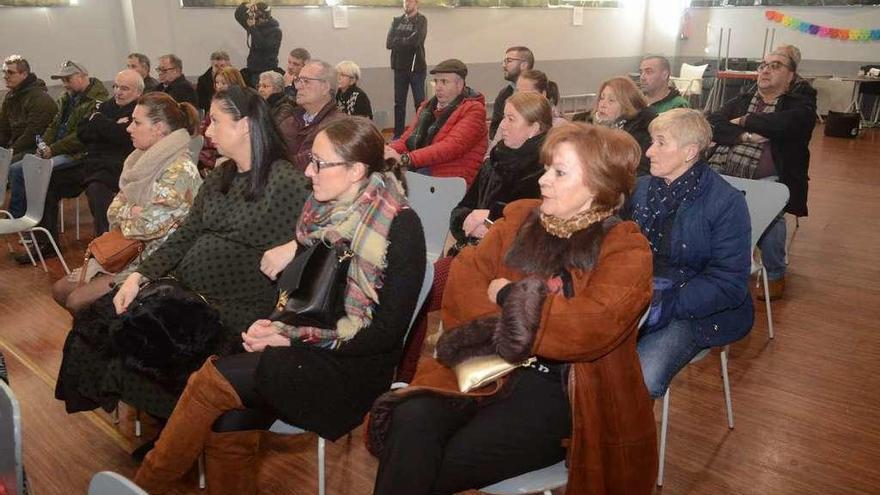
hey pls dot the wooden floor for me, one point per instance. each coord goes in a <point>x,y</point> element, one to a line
<point>806,405</point>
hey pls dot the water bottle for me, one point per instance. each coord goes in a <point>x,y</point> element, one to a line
<point>42,147</point>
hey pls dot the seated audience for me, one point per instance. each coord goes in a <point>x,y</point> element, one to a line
<point>27,108</point>
<point>247,206</point>
<point>156,187</point>
<point>173,81</point>
<point>63,147</point>
<point>103,133</point>
<point>271,88</point>
<point>263,39</point>
<point>315,105</point>
<point>700,234</point>
<point>535,81</point>
<point>296,60</point>
<point>140,63</point>
<point>621,105</point>
<point>562,280</point>
<point>351,99</point>
<point>223,79</point>
<point>205,83</point>
<point>448,137</point>
<point>517,59</point>
<point>765,134</point>
<point>322,380</point>
<point>654,74</point>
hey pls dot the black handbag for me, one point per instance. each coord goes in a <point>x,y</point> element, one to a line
<point>311,290</point>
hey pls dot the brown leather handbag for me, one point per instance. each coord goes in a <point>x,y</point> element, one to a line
<point>113,251</point>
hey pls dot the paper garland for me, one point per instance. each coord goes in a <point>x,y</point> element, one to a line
<point>823,31</point>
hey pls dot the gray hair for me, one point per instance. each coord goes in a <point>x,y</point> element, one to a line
<point>328,75</point>
<point>275,79</point>
<point>349,68</point>
<point>664,62</point>
<point>138,80</point>
<point>175,61</point>
<point>143,59</point>
<point>220,55</point>
<point>20,63</point>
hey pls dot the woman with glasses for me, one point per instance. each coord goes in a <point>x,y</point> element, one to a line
<point>320,379</point>
<point>350,98</point>
<point>244,210</point>
<point>765,134</point>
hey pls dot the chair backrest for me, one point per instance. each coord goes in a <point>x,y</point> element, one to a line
<point>10,441</point>
<point>195,147</point>
<point>764,198</point>
<point>37,173</point>
<point>427,283</point>
<point>110,483</point>
<point>690,79</point>
<point>5,160</point>
<point>689,71</point>
<point>433,199</point>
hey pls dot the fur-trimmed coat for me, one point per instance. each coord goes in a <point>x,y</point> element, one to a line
<point>613,446</point>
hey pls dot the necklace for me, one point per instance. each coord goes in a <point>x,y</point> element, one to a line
<point>564,228</point>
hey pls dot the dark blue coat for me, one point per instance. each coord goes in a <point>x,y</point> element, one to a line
<point>709,261</point>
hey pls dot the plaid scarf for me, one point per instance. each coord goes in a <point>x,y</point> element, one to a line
<point>428,125</point>
<point>363,224</point>
<point>741,160</point>
<point>663,201</point>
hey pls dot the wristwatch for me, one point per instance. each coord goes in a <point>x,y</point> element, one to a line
<point>405,160</point>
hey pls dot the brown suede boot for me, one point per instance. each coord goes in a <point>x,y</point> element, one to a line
<point>207,396</point>
<point>774,287</point>
<point>231,462</point>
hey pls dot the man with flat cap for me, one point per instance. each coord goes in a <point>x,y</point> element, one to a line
<point>449,136</point>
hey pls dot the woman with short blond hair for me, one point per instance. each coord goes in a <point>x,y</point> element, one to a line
<point>350,98</point>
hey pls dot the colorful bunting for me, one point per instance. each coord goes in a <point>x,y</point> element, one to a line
<point>823,31</point>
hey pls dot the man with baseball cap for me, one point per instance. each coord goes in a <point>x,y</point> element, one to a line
<point>62,146</point>
<point>448,137</point>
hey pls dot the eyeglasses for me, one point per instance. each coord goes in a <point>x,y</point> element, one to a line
<point>162,70</point>
<point>305,80</point>
<point>508,60</point>
<point>321,164</point>
<point>773,66</point>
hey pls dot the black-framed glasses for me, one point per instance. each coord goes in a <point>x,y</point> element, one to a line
<point>508,60</point>
<point>322,164</point>
<point>305,80</point>
<point>773,66</point>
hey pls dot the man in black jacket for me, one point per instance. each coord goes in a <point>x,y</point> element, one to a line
<point>205,84</point>
<point>264,39</point>
<point>173,81</point>
<point>516,60</point>
<point>406,40</point>
<point>107,145</point>
<point>140,63</point>
<point>765,134</point>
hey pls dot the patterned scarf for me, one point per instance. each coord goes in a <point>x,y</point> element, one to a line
<point>741,160</point>
<point>663,201</point>
<point>363,224</point>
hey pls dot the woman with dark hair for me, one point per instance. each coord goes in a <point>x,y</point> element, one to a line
<point>621,105</point>
<point>319,379</point>
<point>156,189</point>
<point>243,210</point>
<point>562,280</point>
<point>224,79</point>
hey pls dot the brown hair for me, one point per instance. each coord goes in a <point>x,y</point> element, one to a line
<point>632,101</point>
<point>163,108</point>
<point>356,139</point>
<point>534,108</point>
<point>609,158</point>
<point>232,76</point>
<point>542,84</point>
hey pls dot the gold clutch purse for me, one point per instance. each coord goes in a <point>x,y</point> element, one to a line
<point>479,371</point>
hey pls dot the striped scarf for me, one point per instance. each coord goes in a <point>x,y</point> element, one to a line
<point>741,160</point>
<point>363,224</point>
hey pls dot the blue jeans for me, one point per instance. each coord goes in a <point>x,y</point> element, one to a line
<point>772,245</point>
<point>18,199</point>
<point>664,353</point>
<point>403,80</point>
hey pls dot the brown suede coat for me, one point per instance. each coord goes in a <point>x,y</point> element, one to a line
<point>613,449</point>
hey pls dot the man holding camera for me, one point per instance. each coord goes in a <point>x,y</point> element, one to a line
<point>264,39</point>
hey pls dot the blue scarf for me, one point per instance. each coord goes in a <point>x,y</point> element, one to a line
<point>663,201</point>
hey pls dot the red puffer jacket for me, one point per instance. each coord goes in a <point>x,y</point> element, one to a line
<point>459,146</point>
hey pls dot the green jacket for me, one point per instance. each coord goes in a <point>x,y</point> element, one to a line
<point>70,144</point>
<point>672,100</point>
<point>26,112</point>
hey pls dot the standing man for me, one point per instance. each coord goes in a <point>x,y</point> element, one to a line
<point>406,40</point>
<point>173,81</point>
<point>516,60</point>
<point>27,108</point>
<point>264,39</point>
<point>205,84</point>
<point>654,79</point>
<point>297,59</point>
<point>140,63</point>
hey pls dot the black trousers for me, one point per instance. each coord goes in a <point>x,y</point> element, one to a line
<point>240,370</point>
<point>439,447</point>
<point>68,183</point>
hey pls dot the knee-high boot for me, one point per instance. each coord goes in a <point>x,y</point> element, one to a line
<point>231,462</point>
<point>207,395</point>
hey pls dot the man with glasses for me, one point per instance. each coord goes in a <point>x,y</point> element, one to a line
<point>765,134</point>
<point>516,60</point>
<point>316,103</point>
<point>107,144</point>
<point>173,82</point>
<point>140,63</point>
<point>296,60</point>
<point>62,145</point>
<point>406,40</point>
<point>27,108</point>
<point>448,137</point>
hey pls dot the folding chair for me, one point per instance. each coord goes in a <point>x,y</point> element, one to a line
<point>11,477</point>
<point>433,199</point>
<point>110,483</point>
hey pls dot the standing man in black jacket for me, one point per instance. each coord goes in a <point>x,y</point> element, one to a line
<point>406,40</point>
<point>264,39</point>
<point>173,82</point>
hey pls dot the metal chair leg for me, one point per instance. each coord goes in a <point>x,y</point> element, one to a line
<point>664,423</point>
<point>321,480</point>
<point>137,424</point>
<point>767,303</point>
<point>61,216</point>
<point>39,253</point>
<point>202,483</point>
<point>54,246</point>
<point>726,379</point>
<point>77,216</point>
